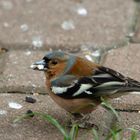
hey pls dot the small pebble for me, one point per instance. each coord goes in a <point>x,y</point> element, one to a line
<point>28,53</point>
<point>5,24</point>
<point>35,94</point>
<point>37,42</point>
<point>2,50</point>
<point>30,113</point>
<point>82,11</point>
<point>68,25</point>
<point>30,99</point>
<point>3,112</point>
<point>24,27</point>
<point>15,105</point>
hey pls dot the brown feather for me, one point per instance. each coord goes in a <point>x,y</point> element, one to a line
<point>73,105</point>
<point>83,67</point>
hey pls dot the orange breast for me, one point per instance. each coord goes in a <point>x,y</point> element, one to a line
<point>73,105</point>
<point>82,67</point>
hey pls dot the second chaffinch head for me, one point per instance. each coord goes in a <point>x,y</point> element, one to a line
<point>77,84</point>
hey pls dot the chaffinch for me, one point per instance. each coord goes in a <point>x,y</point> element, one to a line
<point>77,84</point>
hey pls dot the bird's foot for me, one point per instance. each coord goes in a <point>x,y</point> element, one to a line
<point>82,122</point>
<point>87,125</point>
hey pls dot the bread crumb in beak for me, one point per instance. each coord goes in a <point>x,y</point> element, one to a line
<point>37,67</point>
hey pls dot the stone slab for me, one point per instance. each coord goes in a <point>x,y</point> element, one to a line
<point>127,102</point>
<point>66,24</point>
<point>130,120</point>
<point>18,76</point>
<point>126,61</point>
<point>35,128</point>
<point>136,35</point>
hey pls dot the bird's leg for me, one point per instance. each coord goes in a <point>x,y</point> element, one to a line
<point>77,115</point>
<point>83,121</point>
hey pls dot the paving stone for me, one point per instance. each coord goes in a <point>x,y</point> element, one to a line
<point>17,74</point>
<point>130,120</point>
<point>136,37</point>
<point>36,128</point>
<point>127,102</point>
<point>126,61</point>
<point>33,128</point>
<point>2,62</point>
<point>66,24</point>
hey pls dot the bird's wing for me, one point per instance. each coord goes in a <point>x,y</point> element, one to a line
<point>103,82</point>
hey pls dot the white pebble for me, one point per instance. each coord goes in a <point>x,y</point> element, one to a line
<point>3,112</point>
<point>28,53</point>
<point>15,105</point>
<point>68,25</point>
<point>37,42</point>
<point>131,34</point>
<point>24,27</point>
<point>5,24</point>
<point>82,11</point>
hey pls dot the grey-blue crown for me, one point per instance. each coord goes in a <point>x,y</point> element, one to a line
<point>55,54</point>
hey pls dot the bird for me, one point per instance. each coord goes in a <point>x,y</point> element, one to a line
<point>78,85</point>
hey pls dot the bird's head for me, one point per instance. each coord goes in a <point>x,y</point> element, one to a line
<point>55,63</point>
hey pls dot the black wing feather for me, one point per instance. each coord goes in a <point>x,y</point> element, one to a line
<point>103,82</point>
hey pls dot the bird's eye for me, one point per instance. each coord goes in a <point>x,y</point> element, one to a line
<point>46,59</point>
<point>54,62</point>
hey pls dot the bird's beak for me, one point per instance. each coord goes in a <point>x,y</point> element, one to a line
<point>39,65</point>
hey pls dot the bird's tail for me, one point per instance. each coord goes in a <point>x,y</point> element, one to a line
<point>132,85</point>
<point>116,89</point>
